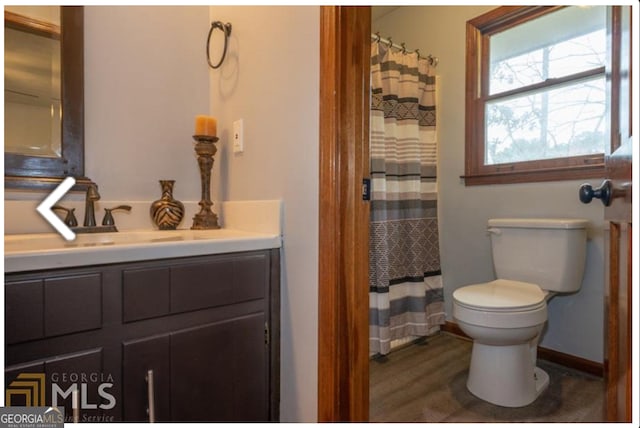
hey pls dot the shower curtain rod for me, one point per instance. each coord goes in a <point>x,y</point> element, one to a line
<point>433,60</point>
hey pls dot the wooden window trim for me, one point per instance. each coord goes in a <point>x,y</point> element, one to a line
<point>478,33</point>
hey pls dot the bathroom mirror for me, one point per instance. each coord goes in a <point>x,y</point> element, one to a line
<point>44,96</point>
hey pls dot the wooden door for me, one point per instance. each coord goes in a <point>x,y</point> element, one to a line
<point>618,213</point>
<point>615,194</point>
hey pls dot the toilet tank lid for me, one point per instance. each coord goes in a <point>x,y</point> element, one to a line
<point>540,223</point>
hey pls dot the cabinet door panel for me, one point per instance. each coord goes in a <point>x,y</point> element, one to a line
<point>218,372</point>
<point>251,273</point>
<point>145,293</point>
<point>84,370</point>
<point>217,283</point>
<point>24,308</point>
<point>199,285</point>
<point>72,304</point>
<point>138,357</point>
<point>15,392</point>
<point>81,371</point>
<point>250,390</point>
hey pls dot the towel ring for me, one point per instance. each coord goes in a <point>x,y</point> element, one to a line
<point>226,30</point>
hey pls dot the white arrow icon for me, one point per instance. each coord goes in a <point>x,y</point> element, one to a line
<point>45,208</point>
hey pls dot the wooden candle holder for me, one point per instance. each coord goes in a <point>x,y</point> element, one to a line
<point>206,149</point>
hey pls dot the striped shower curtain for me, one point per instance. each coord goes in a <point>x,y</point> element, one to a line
<point>405,282</point>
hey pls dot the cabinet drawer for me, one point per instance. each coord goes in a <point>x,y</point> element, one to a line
<point>145,293</point>
<point>154,291</point>
<point>217,283</point>
<point>72,304</point>
<point>49,307</point>
<point>24,311</point>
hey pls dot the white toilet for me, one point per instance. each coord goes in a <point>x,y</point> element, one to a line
<point>533,260</point>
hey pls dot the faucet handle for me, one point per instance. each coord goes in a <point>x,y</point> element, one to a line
<point>70,217</point>
<point>108,217</point>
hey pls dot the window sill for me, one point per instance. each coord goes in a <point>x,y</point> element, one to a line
<point>535,176</point>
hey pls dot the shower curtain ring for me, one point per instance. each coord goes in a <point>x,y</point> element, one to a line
<point>404,48</point>
<point>417,51</point>
<point>378,35</point>
<point>226,30</point>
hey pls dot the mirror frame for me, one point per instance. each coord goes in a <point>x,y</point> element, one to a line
<point>36,172</point>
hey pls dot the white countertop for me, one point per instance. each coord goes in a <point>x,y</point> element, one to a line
<point>38,251</point>
<point>51,251</point>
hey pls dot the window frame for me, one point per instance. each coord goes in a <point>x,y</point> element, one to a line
<point>478,32</point>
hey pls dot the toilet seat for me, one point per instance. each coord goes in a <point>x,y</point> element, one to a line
<point>500,304</point>
<point>500,295</point>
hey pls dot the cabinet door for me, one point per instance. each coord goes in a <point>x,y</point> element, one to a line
<point>55,378</point>
<point>140,356</point>
<point>82,371</point>
<point>24,385</point>
<point>219,371</point>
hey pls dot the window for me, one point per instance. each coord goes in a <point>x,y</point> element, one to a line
<point>536,107</point>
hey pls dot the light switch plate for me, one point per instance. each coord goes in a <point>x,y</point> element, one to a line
<point>238,140</point>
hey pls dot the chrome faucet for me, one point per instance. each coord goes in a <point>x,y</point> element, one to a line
<point>89,224</point>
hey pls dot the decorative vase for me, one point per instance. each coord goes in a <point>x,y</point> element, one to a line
<point>167,212</point>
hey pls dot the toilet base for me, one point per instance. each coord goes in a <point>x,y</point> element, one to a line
<point>542,380</point>
<point>506,375</point>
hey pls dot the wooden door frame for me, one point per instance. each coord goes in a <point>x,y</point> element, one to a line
<point>343,300</point>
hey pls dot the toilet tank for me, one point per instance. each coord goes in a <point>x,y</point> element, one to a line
<point>548,252</point>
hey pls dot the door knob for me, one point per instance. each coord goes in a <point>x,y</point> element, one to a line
<point>587,193</point>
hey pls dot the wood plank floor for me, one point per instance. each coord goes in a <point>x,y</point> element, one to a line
<point>426,382</point>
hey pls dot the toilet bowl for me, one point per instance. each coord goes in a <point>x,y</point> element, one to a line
<point>505,319</point>
<point>534,259</point>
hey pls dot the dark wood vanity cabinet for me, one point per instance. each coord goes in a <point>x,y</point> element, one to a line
<point>204,329</point>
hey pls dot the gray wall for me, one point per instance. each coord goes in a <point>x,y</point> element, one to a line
<point>146,79</point>
<point>575,323</point>
<point>271,80</point>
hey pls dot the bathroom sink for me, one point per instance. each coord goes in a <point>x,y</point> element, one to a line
<point>51,241</point>
<point>28,252</point>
